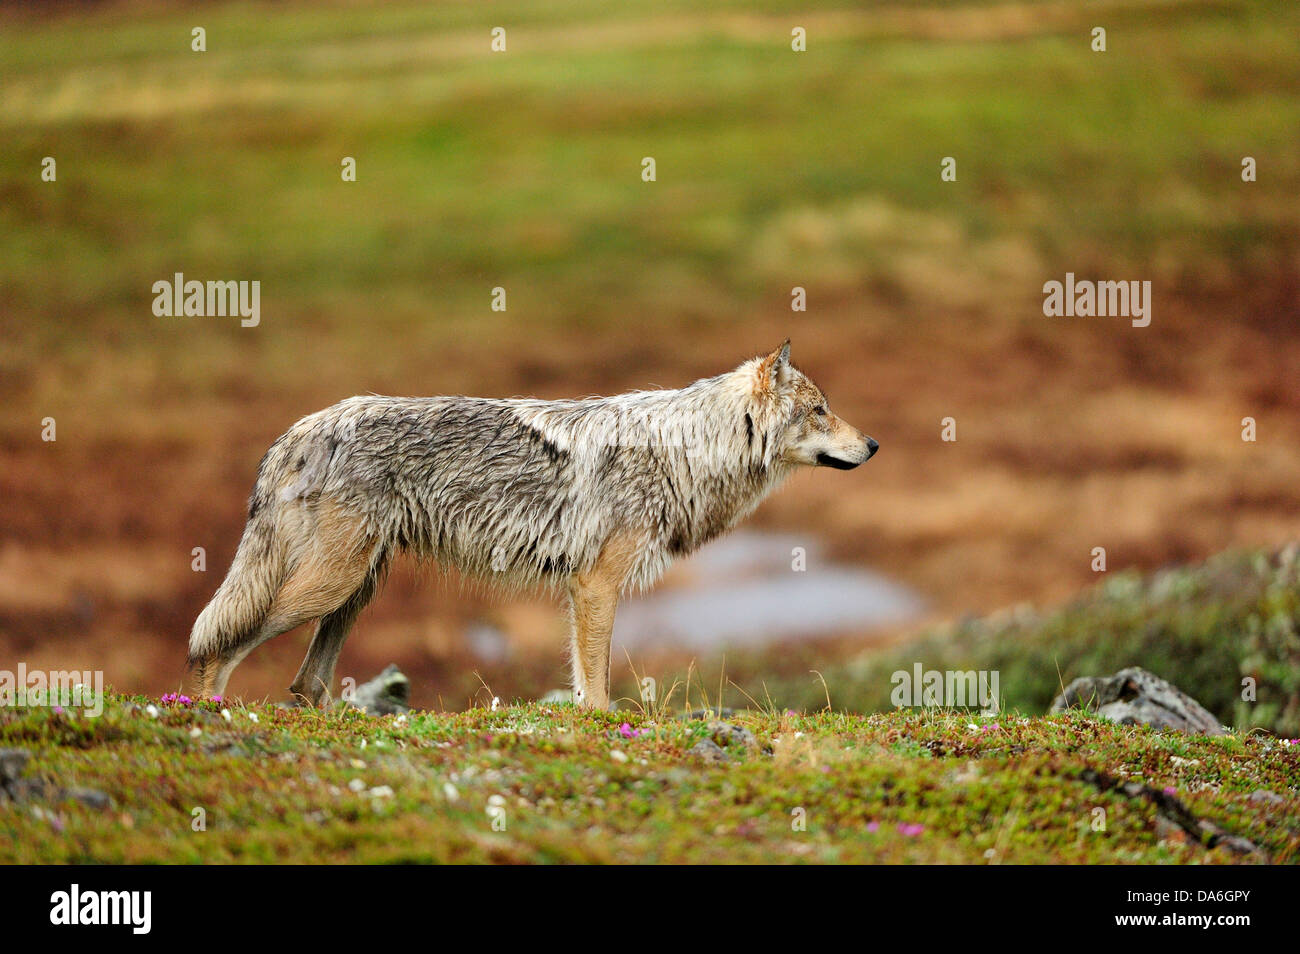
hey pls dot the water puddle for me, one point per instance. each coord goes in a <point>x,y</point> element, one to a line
<point>741,592</point>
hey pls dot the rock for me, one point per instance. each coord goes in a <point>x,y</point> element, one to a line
<point>227,747</point>
<point>90,797</point>
<point>724,734</point>
<point>14,788</point>
<point>1265,797</point>
<point>1134,696</point>
<point>1237,844</point>
<point>707,714</point>
<point>709,751</point>
<point>12,763</point>
<point>1168,831</point>
<point>1172,813</point>
<point>389,693</point>
<point>206,717</point>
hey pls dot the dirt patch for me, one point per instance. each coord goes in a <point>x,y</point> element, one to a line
<point>1066,441</point>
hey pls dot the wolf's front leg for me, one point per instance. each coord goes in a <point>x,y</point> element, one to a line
<point>593,606</point>
<point>593,597</point>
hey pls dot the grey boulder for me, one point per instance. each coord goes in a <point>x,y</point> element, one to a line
<point>1134,696</point>
<point>389,693</point>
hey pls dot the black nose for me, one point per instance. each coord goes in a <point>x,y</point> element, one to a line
<point>872,447</point>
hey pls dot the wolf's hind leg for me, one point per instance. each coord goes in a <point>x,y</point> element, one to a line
<point>316,675</point>
<point>331,566</point>
<point>212,672</point>
<point>223,664</point>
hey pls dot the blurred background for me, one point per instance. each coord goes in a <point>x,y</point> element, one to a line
<point>523,170</point>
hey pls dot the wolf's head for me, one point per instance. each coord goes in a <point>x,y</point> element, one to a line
<point>804,429</point>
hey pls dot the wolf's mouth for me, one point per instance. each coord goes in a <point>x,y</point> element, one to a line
<point>826,460</point>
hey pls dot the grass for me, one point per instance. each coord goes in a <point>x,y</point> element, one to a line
<point>523,168</point>
<point>323,787</point>
<point>776,169</point>
<point>255,783</point>
<point>1213,629</point>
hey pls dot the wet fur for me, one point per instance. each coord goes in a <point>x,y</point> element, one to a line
<point>594,497</point>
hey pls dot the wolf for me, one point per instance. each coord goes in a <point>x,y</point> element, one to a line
<point>593,498</point>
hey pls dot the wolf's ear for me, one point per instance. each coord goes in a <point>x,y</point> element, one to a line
<point>774,370</point>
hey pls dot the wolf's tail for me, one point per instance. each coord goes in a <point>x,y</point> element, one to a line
<point>238,608</point>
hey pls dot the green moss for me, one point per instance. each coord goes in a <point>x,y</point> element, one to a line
<point>1205,628</point>
<point>306,786</point>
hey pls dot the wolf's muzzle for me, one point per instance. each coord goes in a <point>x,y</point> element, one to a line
<point>826,460</point>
